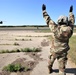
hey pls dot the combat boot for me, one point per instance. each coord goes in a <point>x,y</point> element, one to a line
<point>50,69</point>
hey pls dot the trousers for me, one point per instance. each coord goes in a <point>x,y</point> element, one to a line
<point>62,60</point>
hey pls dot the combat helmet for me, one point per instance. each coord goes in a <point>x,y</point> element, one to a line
<point>62,20</point>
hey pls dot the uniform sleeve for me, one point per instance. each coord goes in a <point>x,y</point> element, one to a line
<point>71,18</point>
<point>49,21</point>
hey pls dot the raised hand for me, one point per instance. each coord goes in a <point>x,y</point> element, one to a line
<point>71,8</point>
<point>43,7</point>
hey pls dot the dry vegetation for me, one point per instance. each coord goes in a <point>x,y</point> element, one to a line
<point>72,52</point>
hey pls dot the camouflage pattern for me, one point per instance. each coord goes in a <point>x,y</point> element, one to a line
<point>63,19</point>
<point>60,40</point>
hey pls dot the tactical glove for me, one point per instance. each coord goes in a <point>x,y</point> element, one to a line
<point>71,8</point>
<point>43,7</point>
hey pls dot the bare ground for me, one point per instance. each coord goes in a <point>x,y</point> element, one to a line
<point>38,60</point>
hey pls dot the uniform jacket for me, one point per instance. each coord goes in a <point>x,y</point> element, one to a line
<point>61,33</point>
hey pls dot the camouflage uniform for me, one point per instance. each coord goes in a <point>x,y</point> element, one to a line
<point>60,40</point>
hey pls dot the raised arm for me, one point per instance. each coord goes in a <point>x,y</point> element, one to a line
<point>71,16</point>
<point>48,20</point>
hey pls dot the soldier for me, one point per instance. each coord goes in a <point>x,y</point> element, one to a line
<point>62,31</point>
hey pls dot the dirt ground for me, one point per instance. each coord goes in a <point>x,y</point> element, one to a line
<point>37,61</point>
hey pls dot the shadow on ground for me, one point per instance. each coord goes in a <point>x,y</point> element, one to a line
<point>71,70</point>
<point>68,70</point>
<point>56,70</point>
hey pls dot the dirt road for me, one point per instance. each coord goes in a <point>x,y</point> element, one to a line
<point>6,42</point>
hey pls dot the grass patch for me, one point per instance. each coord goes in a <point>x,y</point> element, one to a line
<point>50,37</point>
<point>23,39</point>
<point>14,68</point>
<point>16,44</point>
<point>7,51</point>
<point>37,36</point>
<point>21,50</point>
<point>43,30</point>
<point>72,51</point>
<point>48,30</point>
<point>30,50</point>
<point>5,44</point>
<point>75,30</point>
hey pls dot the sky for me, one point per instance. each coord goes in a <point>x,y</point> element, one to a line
<point>29,12</point>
